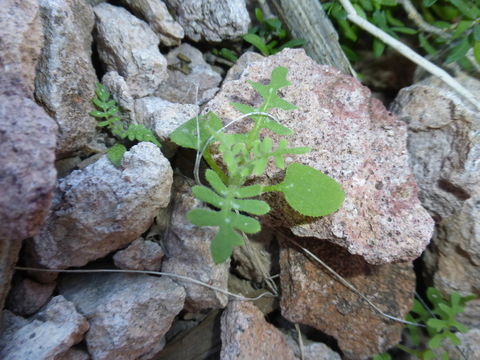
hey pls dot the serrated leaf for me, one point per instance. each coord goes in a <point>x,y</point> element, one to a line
<point>436,324</point>
<point>435,341</point>
<point>461,27</point>
<point>216,182</point>
<point>476,51</point>
<point>115,154</point>
<point>476,32</point>
<point>259,14</point>
<point>248,191</point>
<point>258,42</point>
<point>426,45</point>
<point>99,114</point>
<point>404,30</point>
<point>378,47</point>
<point>207,195</point>
<point>428,3</point>
<point>311,192</point>
<point>223,243</point>
<point>255,207</point>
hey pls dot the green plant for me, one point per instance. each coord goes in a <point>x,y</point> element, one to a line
<point>245,156</point>
<point>440,322</point>
<point>268,37</point>
<point>108,112</point>
<point>451,26</point>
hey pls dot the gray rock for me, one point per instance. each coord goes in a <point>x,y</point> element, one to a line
<point>128,46</point>
<point>128,314</point>
<point>196,87</point>
<point>65,80</point>
<point>156,14</point>
<point>212,20</point>
<point>140,255</point>
<point>247,335</point>
<point>27,177</point>
<point>469,346</point>
<point>235,72</point>
<point>118,88</point>
<point>46,335</point>
<point>22,41</point>
<point>187,253</point>
<point>311,350</point>
<point>444,152</point>
<point>163,116</point>
<point>381,218</point>
<point>27,296</point>
<point>103,208</point>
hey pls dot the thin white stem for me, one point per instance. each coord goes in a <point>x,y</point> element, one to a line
<point>407,52</point>
<point>157,273</point>
<point>415,16</point>
<point>300,342</point>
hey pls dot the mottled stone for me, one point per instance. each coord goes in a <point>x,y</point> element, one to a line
<point>236,71</point>
<point>354,140</point>
<point>469,346</point>
<point>195,87</point>
<point>187,253</point>
<point>74,354</point>
<point>163,116</point>
<point>140,255</point>
<point>311,350</point>
<point>28,296</point>
<point>247,335</point>
<point>103,208</point>
<point>128,46</point>
<point>27,176</point>
<point>445,157</point>
<point>118,88</point>
<point>46,335</point>
<point>211,20</point>
<point>128,314</point>
<point>65,80</point>
<point>156,14</point>
<point>21,40</point>
<point>312,296</point>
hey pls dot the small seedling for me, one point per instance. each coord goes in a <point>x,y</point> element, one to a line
<point>109,114</point>
<point>245,156</point>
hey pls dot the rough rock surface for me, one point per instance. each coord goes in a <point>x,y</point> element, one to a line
<point>212,20</point>
<point>128,314</point>
<point>470,346</point>
<point>311,296</point>
<point>445,157</point>
<point>22,40</point>
<point>74,354</point>
<point>196,87</point>
<point>118,88</point>
<point>28,296</point>
<point>128,46</point>
<point>163,116</point>
<point>312,350</point>
<point>65,80</point>
<point>27,176</point>
<point>46,335</point>
<point>247,335</point>
<point>156,14</point>
<point>140,255</point>
<point>187,253</point>
<point>355,141</point>
<point>103,208</point>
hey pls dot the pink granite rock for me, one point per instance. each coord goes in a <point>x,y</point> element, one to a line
<point>355,140</point>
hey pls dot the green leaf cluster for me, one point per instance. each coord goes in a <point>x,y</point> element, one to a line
<point>244,156</point>
<point>109,115</point>
<point>458,21</point>
<point>268,37</point>
<point>440,321</point>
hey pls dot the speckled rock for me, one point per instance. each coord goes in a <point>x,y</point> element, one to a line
<point>311,350</point>
<point>65,80</point>
<point>247,335</point>
<point>118,88</point>
<point>140,255</point>
<point>311,296</point>
<point>128,314</point>
<point>102,208</point>
<point>27,175</point>
<point>128,46</point>
<point>445,157</point>
<point>469,346</point>
<point>212,20</point>
<point>74,354</point>
<point>27,296</point>
<point>156,14</point>
<point>354,140</point>
<point>163,116</point>
<point>22,40</point>
<point>187,253</point>
<point>196,87</point>
<point>46,335</point>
